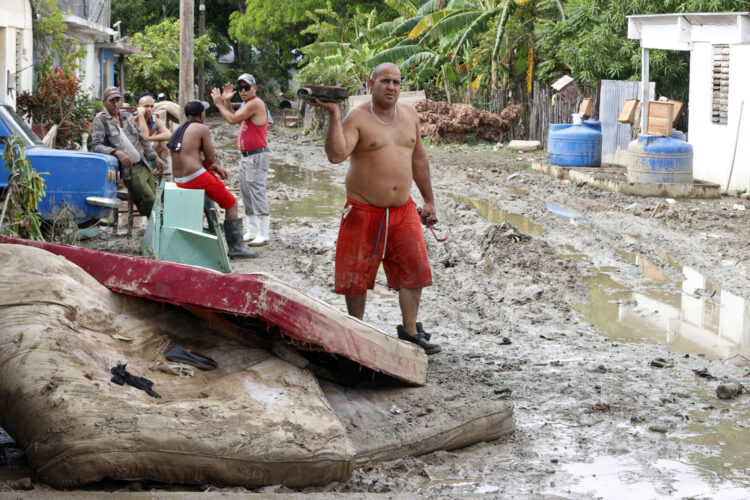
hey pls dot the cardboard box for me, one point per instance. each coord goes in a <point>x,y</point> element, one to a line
<point>660,118</point>
<point>677,110</point>
<point>627,113</point>
<point>587,105</point>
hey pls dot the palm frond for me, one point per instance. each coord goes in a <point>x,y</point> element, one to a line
<point>462,5</point>
<point>452,23</point>
<point>426,23</point>
<point>429,7</point>
<point>383,29</point>
<point>559,5</point>
<point>406,26</point>
<point>478,25</point>
<point>500,30</point>
<point>416,60</point>
<point>403,7</point>
<point>391,55</point>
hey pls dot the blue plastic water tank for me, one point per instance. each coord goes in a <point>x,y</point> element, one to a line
<point>655,158</point>
<point>679,134</point>
<point>575,145</point>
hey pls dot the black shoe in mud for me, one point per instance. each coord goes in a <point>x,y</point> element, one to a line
<point>420,340</point>
<point>421,330</point>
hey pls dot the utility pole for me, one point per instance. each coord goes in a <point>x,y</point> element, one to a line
<point>201,32</point>
<point>187,91</point>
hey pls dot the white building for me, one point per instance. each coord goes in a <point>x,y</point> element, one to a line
<point>718,121</point>
<point>16,49</point>
<point>88,22</point>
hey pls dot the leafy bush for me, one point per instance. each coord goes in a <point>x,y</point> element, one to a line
<point>58,99</point>
<point>157,67</point>
<point>22,195</point>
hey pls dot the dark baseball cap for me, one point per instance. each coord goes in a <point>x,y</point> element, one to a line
<point>195,108</point>
<point>110,93</point>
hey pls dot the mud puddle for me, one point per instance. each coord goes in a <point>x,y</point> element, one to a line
<point>691,316</point>
<point>305,193</point>
<point>493,213</point>
<point>621,478</point>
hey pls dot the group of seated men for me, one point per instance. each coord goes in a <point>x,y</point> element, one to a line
<point>140,143</point>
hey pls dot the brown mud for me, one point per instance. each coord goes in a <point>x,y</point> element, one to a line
<point>600,331</point>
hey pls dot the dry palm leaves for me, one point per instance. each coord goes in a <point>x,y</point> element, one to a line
<point>444,122</point>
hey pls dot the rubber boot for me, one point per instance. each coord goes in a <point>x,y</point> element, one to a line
<point>252,228</point>
<point>235,247</point>
<point>264,221</point>
<point>208,204</point>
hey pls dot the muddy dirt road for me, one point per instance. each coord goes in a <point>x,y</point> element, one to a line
<point>608,332</point>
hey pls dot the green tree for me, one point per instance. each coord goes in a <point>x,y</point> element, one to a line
<point>464,41</point>
<point>22,195</point>
<point>137,15</point>
<point>157,67</point>
<point>292,27</point>
<point>53,47</point>
<point>592,44</point>
<point>342,46</point>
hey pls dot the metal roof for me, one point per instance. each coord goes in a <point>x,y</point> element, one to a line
<point>677,31</point>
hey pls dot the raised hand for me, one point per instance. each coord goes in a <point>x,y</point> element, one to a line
<point>228,91</point>
<point>216,96</point>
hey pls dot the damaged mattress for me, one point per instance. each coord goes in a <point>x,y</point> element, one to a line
<point>256,420</point>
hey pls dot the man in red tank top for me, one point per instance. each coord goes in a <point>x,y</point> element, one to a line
<point>251,141</point>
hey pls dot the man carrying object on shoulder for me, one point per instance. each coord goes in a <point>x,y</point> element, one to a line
<point>380,222</point>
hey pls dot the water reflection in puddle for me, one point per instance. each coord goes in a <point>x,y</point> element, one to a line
<point>622,478</point>
<point>691,316</point>
<point>494,213</point>
<point>311,194</point>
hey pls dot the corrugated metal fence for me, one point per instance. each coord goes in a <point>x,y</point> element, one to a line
<point>616,135</point>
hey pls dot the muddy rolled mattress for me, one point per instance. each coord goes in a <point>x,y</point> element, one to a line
<point>86,390</point>
<point>256,420</point>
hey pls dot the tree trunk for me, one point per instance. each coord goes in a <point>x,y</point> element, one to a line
<point>187,90</point>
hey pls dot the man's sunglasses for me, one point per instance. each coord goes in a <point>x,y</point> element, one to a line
<point>242,87</point>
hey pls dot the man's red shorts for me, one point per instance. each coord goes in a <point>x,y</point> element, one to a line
<point>362,237</point>
<point>214,188</point>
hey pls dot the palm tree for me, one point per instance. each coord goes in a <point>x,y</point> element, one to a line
<point>435,35</point>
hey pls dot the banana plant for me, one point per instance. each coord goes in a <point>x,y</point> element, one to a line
<point>449,31</point>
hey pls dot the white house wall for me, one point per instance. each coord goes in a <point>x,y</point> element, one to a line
<point>15,61</point>
<point>713,144</point>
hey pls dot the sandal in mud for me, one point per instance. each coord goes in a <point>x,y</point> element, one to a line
<point>177,354</point>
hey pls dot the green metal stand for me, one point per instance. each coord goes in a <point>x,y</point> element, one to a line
<point>175,230</point>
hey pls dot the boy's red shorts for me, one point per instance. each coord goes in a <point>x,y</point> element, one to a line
<point>214,188</point>
<point>359,249</point>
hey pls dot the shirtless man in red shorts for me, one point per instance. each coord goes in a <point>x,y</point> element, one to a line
<point>380,220</point>
<point>191,172</point>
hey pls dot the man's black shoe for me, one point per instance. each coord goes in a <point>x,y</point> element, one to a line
<point>421,330</point>
<point>420,340</point>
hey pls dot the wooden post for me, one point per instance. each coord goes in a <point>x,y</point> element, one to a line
<point>736,141</point>
<point>187,91</point>
<point>645,95</point>
<point>201,32</point>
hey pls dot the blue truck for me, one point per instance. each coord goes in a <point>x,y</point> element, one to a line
<point>84,183</point>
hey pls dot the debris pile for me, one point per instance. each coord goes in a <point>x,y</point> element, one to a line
<point>444,122</point>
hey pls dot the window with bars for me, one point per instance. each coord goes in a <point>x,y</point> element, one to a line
<point>720,82</point>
